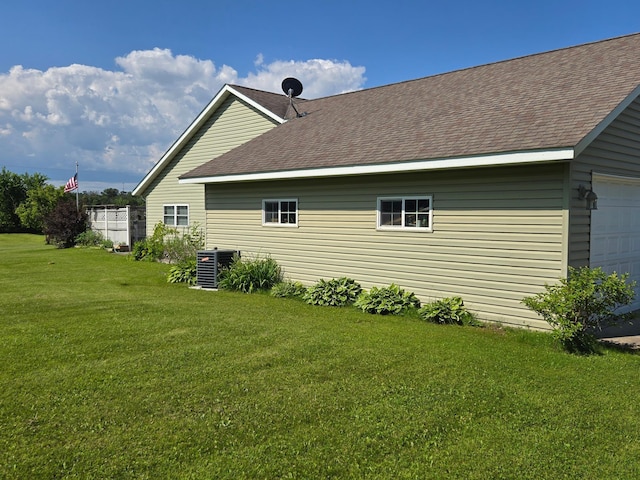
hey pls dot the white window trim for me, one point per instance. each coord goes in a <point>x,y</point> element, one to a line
<point>280,200</point>
<point>402,227</point>
<point>175,214</point>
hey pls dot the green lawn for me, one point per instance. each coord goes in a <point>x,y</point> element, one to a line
<point>110,372</point>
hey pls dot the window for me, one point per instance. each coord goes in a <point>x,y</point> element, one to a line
<point>405,213</point>
<point>280,212</point>
<point>176,215</point>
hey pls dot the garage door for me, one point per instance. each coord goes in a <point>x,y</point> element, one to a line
<point>615,227</point>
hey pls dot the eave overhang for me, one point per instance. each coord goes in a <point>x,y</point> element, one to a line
<point>499,159</point>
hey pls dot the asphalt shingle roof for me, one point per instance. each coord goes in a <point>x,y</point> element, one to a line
<point>274,102</point>
<point>543,101</point>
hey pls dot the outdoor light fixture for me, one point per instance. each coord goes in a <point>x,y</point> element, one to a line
<point>587,194</point>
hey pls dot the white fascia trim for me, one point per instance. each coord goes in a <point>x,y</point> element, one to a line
<point>202,117</point>
<point>591,136</point>
<point>513,158</point>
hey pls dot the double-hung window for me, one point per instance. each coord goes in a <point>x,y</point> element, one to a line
<point>280,212</point>
<point>176,215</point>
<point>406,213</point>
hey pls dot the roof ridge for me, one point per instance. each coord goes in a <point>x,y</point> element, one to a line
<point>475,67</point>
<point>464,69</point>
<point>276,94</point>
<point>539,102</point>
<point>235,85</point>
<point>537,54</point>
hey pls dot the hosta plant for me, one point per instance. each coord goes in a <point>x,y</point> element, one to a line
<point>387,300</point>
<point>183,272</point>
<point>288,289</point>
<point>447,311</point>
<point>336,292</point>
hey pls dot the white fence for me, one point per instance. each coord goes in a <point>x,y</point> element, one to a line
<point>121,225</point>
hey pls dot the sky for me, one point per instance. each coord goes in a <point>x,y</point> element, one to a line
<point>112,84</point>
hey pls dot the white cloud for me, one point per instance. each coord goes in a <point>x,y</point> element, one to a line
<point>123,120</point>
<point>319,77</point>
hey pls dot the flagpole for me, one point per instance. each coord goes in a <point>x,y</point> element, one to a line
<point>77,199</point>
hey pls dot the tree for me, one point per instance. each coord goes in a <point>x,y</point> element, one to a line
<point>65,223</point>
<point>25,200</point>
<point>32,182</point>
<point>14,191</point>
<point>110,196</point>
<point>40,202</point>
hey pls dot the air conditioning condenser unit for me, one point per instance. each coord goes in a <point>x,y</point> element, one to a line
<point>209,264</point>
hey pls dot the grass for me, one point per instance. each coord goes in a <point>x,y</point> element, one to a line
<point>110,372</point>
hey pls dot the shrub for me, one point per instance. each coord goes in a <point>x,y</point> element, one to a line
<point>167,243</point>
<point>579,305</point>
<point>39,203</point>
<point>184,272</point>
<point>183,247</point>
<point>250,275</point>
<point>447,311</point>
<point>387,300</point>
<point>65,223</point>
<point>140,251</point>
<point>336,292</point>
<point>152,248</point>
<point>145,250</point>
<point>288,289</point>
<point>90,238</point>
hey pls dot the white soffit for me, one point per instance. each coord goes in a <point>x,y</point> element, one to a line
<point>513,158</point>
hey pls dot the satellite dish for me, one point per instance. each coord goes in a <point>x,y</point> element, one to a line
<point>292,87</point>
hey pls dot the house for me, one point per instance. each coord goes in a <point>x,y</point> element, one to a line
<point>481,182</point>
<point>235,115</point>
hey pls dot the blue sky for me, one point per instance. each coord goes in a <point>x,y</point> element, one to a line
<point>112,84</point>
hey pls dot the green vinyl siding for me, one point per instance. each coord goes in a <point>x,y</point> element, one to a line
<point>616,151</point>
<point>498,233</point>
<point>231,125</point>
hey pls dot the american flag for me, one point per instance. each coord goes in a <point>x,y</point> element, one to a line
<point>72,184</point>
